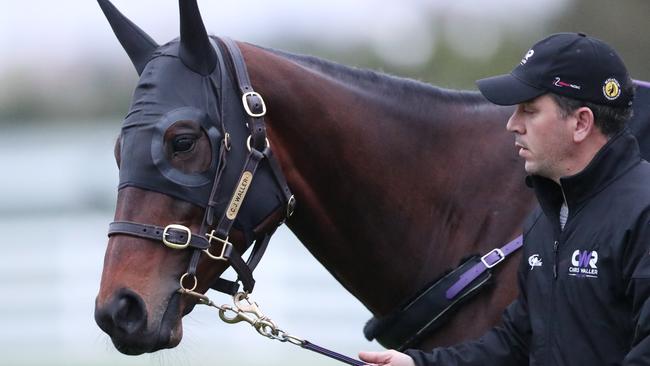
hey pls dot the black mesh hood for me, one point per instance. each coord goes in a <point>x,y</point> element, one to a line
<point>168,92</point>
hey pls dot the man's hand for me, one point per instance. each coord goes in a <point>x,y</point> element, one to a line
<point>386,358</point>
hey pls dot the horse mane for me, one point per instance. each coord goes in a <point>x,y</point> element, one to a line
<point>403,91</point>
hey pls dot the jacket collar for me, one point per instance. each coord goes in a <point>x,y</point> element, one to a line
<point>616,157</point>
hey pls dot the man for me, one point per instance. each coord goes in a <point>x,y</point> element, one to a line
<point>584,279</point>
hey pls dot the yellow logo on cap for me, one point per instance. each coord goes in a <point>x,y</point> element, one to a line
<point>611,89</point>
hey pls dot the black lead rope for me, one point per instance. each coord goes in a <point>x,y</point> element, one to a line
<point>331,354</point>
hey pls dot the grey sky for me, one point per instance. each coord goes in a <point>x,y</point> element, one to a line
<point>68,31</point>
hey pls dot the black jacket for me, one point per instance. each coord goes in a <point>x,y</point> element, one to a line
<point>585,290</point>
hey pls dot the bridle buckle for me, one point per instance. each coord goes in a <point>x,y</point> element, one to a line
<point>212,236</point>
<point>499,252</point>
<point>173,245</point>
<point>260,104</point>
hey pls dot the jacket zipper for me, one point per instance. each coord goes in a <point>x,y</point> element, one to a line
<point>556,245</point>
<point>556,253</point>
<point>556,249</point>
<point>551,319</point>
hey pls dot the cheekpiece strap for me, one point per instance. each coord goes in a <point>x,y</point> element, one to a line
<point>251,100</point>
<point>239,194</point>
<point>256,109</point>
<point>219,236</point>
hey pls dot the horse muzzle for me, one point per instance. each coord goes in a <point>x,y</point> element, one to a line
<point>133,331</point>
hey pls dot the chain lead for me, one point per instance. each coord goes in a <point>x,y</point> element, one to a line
<point>247,311</point>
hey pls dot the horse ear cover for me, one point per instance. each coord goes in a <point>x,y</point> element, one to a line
<point>137,44</point>
<point>195,51</point>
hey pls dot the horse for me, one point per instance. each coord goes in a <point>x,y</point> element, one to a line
<point>395,181</point>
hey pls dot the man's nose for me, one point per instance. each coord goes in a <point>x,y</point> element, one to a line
<point>514,124</point>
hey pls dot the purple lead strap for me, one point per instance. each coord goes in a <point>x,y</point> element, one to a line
<point>492,258</point>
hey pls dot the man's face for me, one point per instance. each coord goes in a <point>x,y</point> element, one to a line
<point>542,136</point>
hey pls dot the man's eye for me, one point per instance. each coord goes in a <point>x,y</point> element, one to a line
<point>183,143</point>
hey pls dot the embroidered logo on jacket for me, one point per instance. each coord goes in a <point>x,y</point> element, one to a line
<point>534,261</point>
<point>584,264</point>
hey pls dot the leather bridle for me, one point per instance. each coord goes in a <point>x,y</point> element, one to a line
<point>213,239</point>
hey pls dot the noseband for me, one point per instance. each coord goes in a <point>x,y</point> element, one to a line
<point>214,238</point>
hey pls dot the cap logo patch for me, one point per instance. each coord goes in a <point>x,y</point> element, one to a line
<point>528,55</point>
<point>611,89</point>
<point>561,84</point>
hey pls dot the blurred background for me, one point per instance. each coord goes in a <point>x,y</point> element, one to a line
<point>65,84</point>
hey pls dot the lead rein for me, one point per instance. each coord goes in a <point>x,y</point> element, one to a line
<point>248,311</point>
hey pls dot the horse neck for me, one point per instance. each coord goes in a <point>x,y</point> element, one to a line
<point>380,185</point>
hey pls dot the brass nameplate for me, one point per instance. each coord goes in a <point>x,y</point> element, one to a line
<point>238,197</point>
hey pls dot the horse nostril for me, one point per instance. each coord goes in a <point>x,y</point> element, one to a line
<point>125,314</point>
<point>129,314</point>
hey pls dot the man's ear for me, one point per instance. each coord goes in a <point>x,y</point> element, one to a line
<point>584,124</point>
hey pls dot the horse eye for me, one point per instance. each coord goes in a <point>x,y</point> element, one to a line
<point>183,143</point>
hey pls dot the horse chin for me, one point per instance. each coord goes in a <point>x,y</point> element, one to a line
<point>148,344</point>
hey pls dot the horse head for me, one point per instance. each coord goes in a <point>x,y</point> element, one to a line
<point>187,154</point>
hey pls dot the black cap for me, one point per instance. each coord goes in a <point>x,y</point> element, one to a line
<point>569,64</point>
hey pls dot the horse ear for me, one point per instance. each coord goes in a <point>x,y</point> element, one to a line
<point>195,48</point>
<point>137,44</point>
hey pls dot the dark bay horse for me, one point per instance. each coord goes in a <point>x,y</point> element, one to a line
<point>395,180</point>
